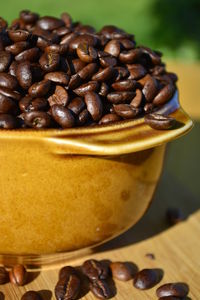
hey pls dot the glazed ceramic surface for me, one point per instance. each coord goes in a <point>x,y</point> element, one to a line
<point>72,189</point>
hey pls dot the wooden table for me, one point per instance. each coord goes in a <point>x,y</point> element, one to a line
<point>177,248</point>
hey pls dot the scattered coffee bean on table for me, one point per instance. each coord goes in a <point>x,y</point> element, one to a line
<point>95,270</point>
<point>101,289</point>
<point>150,256</point>
<point>146,279</point>
<point>122,271</point>
<point>31,295</point>
<point>178,289</point>
<point>18,275</point>
<point>47,62</point>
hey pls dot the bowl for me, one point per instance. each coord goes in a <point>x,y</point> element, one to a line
<point>66,191</point>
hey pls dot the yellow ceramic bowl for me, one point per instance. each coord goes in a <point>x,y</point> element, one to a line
<point>62,191</point>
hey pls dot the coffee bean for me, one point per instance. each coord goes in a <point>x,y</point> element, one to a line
<point>149,107</point>
<point>113,47</point>
<point>37,119</point>
<point>130,56</point>
<point>104,75</point>
<point>8,93</point>
<point>126,111</point>
<point>158,70</point>
<point>18,35</point>
<point>136,71</point>
<point>154,56</point>
<point>87,72</point>
<point>124,85</point>
<point>8,121</point>
<point>66,39</point>
<point>77,65</point>
<point>3,275</point>
<point>122,73</point>
<point>28,104</point>
<point>28,17</point>
<point>49,61</point>
<point>68,288</point>
<point>150,256</point>
<point>85,29</point>
<point>160,122</point>
<point>121,271</point>
<point>150,88</point>
<point>95,270</point>
<point>91,86</point>
<point>106,60</point>
<point>109,118</point>
<point>63,116</point>
<point>39,89</point>
<point>127,43</point>
<point>86,53</point>
<point>61,31</point>
<point>83,117</point>
<point>164,95</point>
<point>5,60</point>
<point>17,48</point>
<point>174,216</point>
<point>60,96</point>
<point>8,81</point>
<point>31,295</point>
<point>90,40</point>
<point>94,105</point>
<point>173,298</point>
<point>100,289</point>
<point>49,23</point>
<point>60,49</point>
<point>58,77</point>
<point>104,89</point>
<point>145,279</point>
<point>30,55</point>
<point>178,289</point>
<point>76,105</point>
<point>13,68</point>
<point>18,275</point>
<point>173,76</point>
<point>120,97</point>
<point>7,106</point>
<point>66,272</point>
<point>66,19</point>
<point>75,81</point>
<point>24,74</point>
<point>137,100</point>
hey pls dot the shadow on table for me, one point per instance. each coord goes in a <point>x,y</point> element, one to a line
<point>179,187</point>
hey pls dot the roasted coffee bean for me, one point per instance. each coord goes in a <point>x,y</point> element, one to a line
<point>60,49</point>
<point>127,43</point>
<point>66,19</point>
<point>94,105</point>
<point>66,39</point>
<point>91,86</point>
<point>85,29</point>
<point>113,47</point>
<point>90,40</point>
<point>83,117</point>
<point>8,121</point>
<point>156,60</point>
<point>66,272</point>
<point>18,35</point>
<point>121,271</point>
<point>130,56</point>
<point>100,289</point>
<point>160,122</point>
<point>95,270</point>
<point>17,48</point>
<point>120,97</point>
<point>30,55</point>
<point>104,89</point>
<point>40,89</point>
<point>109,118</point>
<point>42,43</point>
<point>8,81</point>
<point>173,298</point>
<point>49,23</point>
<point>136,71</point>
<point>149,107</point>
<point>63,116</point>
<point>24,74</point>
<point>104,75</point>
<point>145,279</point>
<point>61,31</point>
<point>87,72</point>
<point>13,68</point>
<point>37,72</point>
<point>28,17</point>
<point>31,295</point>
<point>158,70</point>
<point>68,288</point>
<point>86,53</point>
<point>108,61</point>
<point>58,77</point>
<point>178,289</point>
<point>7,106</point>
<point>76,105</point>
<point>75,81</point>
<point>122,73</point>
<point>137,100</point>
<point>8,93</point>
<point>150,256</point>
<point>150,88</point>
<point>3,275</point>
<point>49,61</point>
<point>76,65</point>
<point>174,216</point>
<point>124,85</point>
<point>60,96</point>
<point>18,275</point>
<point>28,104</point>
<point>37,119</point>
<point>164,95</point>
<point>5,60</point>
<point>126,111</point>
<point>173,76</point>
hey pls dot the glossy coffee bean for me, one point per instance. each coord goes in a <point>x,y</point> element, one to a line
<point>83,117</point>
<point>66,272</point>
<point>137,100</point>
<point>8,81</point>
<point>8,121</point>
<point>122,73</point>
<point>13,68</point>
<point>7,105</point>
<point>124,85</point>
<point>94,105</point>
<point>100,289</point>
<point>150,89</point>
<point>49,23</point>
<point>94,270</point>
<point>136,71</point>
<point>108,61</point>
<point>87,72</point>
<point>156,60</point>
<point>63,116</point>
<point>76,105</point>
<point>104,89</point>
<point>164,95</point>
<point>28,17</point>
<point>68,38</point>
<point>130,56</point>
<point>18,35</point>
<point>68,288</point>
<point>37,119</point>
<point>121,271</point>
<point>91,86</point>
<point>109,118</point>
<point>148,108</point>
<point>17,48</point>
<point>90,40</point>
<point>75,81</point>
<point>104,75</point>
<point>59,97</point>
<point>126,111</point>
<point>76,65</point>
<point>28,104</point>
<point>9,93</point>
<point>5,60</point>
<point>31,295</point>
<point>127,43</point>
<point>145,279</point>
<point>30,55</point>
<point>178,289</point>
<point>24,74</point>
<point>58,77</point>
<point>159,122</point>
<point>3,275</point>
<point>86,53</point>
<point>66,19</point>
<point>120,97</point>
<point>49,61</point>
<point>18,275</point>
<point>113,47</point>
<point>39,89</point>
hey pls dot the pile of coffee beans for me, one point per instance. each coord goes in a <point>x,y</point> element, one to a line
<point>56,73</point>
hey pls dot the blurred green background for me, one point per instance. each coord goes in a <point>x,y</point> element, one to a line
<point>173,26</point>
